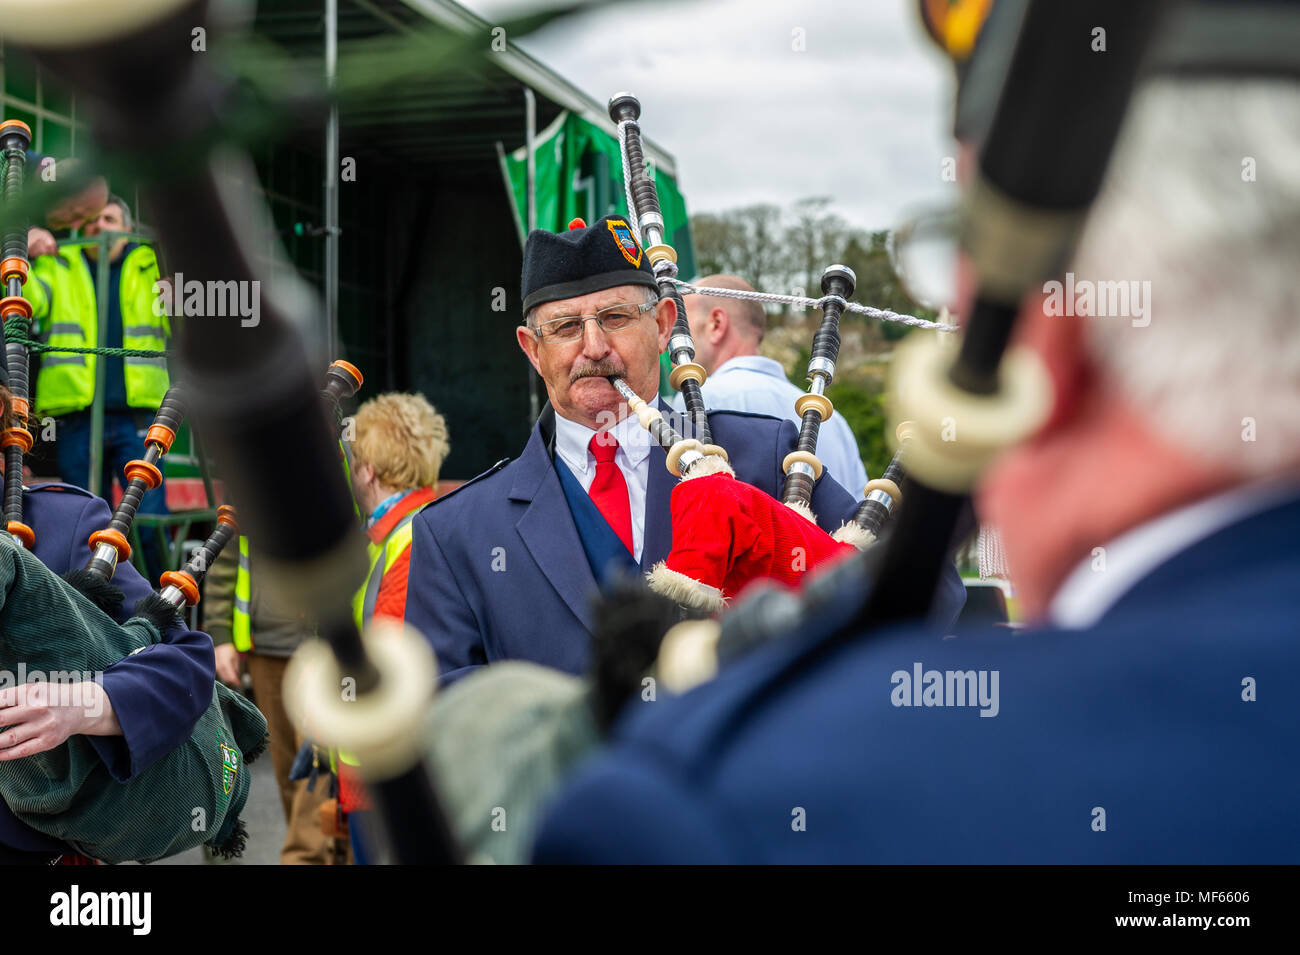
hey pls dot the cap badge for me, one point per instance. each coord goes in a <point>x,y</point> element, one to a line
<point>625,240</point>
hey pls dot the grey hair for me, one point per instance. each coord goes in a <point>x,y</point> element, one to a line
<point>126,210</point>
<point>1203,201</point>
<point>530,319</point>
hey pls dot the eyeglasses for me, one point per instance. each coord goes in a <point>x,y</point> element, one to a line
<point>569,328</point>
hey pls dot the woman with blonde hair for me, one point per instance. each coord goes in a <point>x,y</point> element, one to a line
<point>398,447</point>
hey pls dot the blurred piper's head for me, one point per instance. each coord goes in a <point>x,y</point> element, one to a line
<point>1171,340</point>
<point>76,210</point>
<point>724,328</point>
<point>399,444</point>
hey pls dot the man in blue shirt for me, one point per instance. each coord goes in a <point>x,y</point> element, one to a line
<point>727,333</point>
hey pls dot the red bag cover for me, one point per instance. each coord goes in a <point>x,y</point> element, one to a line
<point>727,533</point>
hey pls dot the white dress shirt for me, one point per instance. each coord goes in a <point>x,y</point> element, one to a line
<point>758,384</point>
<point>1087,594</point>
<point>632,458</point>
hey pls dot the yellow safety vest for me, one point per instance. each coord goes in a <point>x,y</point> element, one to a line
<point>390,549</point>
<point>241,628</point>
<point>62,293</point>
<point>363,604</point>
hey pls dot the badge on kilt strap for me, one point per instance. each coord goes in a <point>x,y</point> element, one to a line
<point>622,233</point>
<point>229,768</point>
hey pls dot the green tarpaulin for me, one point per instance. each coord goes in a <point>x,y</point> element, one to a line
<point>580,174</point>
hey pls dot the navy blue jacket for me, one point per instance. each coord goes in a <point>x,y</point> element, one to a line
<point>498,570</point>
<point>157,694</point>
<point>1141,724</point>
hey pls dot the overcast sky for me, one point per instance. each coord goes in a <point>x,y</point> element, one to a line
<point>862,114</point>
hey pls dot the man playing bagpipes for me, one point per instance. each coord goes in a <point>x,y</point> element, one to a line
<point>506,566</point>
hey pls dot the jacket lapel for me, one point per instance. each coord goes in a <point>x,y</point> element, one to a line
<point>547,527</point>
<point>658,497</point>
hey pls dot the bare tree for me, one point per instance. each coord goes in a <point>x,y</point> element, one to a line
<point>815,238</point>
<point>802,238</point>
<point>759,255</point>
<point>718,242</point>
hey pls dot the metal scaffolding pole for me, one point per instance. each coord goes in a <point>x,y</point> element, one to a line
<point>95,484</point>
<point>530,189</point>
<point>331,182</point>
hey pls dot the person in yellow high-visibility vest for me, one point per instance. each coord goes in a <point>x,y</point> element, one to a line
<point>62,288</point>
<point>398,447</point>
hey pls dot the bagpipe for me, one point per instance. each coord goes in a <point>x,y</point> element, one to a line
<point>509,734</point>
<point>109,545</point>
<point>15,138</point>
<point>194,793</point>
<point>62,626</point>
<point>726,533</point>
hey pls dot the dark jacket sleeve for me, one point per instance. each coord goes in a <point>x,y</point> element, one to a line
<point>436,606</point>
<point>157,694</point>
<point>671,827</point>
<point>830,502</point>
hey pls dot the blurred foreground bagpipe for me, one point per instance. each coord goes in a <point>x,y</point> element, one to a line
<point>253,398</point>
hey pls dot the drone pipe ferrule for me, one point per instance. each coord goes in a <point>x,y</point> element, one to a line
<point>182,582</point>
<point>113,539</point>
<point>22,533</point>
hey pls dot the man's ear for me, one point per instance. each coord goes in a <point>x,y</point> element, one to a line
<point>528,344</point>
<point>665,315</point>
<point>719,325</point>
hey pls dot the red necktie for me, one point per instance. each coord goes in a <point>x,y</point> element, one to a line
<point>609,489</point>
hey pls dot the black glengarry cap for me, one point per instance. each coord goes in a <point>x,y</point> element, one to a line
<point>583,260</point>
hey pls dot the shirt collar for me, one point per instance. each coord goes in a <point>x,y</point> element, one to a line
<point>571,440</point>
<point>384,506</point>
<point>764,366</point>
<point>1088,593</point>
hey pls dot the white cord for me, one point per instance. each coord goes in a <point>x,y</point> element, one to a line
<point>883,314</point>
<point>627,180</point>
